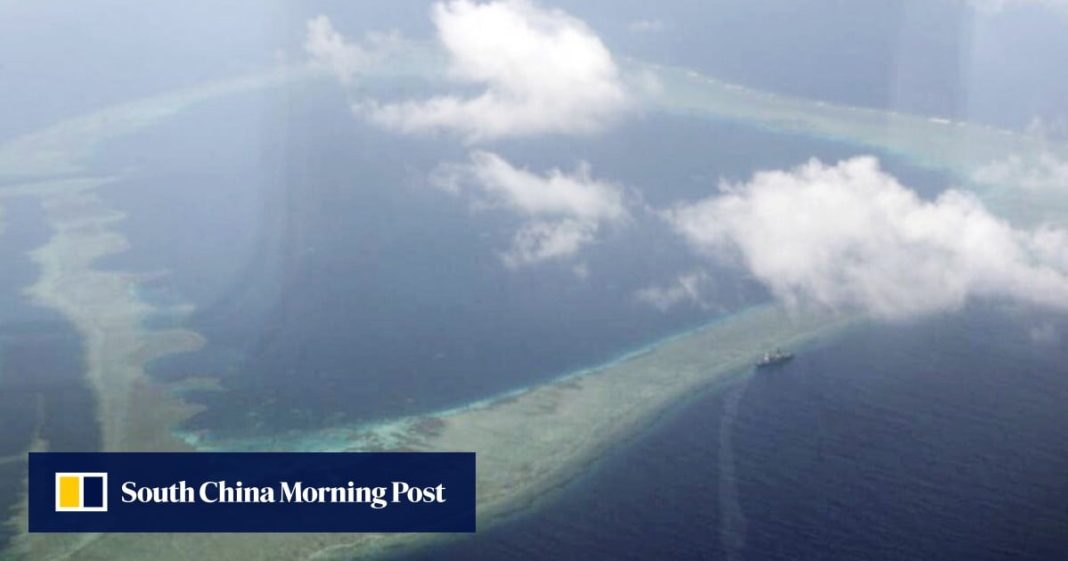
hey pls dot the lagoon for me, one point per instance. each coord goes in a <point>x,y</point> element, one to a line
<point>540,435</point>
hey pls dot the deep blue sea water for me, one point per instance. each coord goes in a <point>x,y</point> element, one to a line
<point>333,287</point>
<point>334,284</point>
<point>43,391</point>
<point>938,440</point>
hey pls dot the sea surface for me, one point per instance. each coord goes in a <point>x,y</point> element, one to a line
<point>335,285</point>
<point>942,439</point>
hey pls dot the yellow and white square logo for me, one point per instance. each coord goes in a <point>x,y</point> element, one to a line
<point>82,492</point>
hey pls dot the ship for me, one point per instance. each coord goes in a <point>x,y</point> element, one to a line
<point>774,358</point>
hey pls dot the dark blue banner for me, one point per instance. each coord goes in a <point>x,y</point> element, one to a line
<point>252,492</point>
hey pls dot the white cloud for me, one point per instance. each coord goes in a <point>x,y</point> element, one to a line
<point>557,194</point>
<point>329,49</point>
<point>542,240</point>
<point>540,70</point>
<point>849,236</point>
<point>563,211</point>
<point>1041,172</point>
<point>686,288</point>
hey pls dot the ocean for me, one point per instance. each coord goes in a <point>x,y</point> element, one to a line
<point>937,440</point>
<point>335,286</point>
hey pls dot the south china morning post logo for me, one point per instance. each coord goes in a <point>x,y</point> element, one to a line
<point>210,492</point>
<point>81,492</point>
<point>251,492</point>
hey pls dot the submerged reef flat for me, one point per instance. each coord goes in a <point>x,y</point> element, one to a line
<point>133,413</point>
<point>528,443</point>
<point>967,151</point>
<point>932,142</point>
